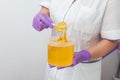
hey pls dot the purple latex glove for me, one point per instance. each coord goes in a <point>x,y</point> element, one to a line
<point>42,21</point>
<point>51,66</point>
<point>81,56</point>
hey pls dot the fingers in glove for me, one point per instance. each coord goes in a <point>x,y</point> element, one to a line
<point>58,68</point>
<point>46,20</point>
<point>51,66</point>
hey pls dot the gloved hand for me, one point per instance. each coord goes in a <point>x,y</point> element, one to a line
<point>42,21</point>
<point>81,56</point>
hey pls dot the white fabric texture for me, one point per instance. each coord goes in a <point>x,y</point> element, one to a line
<point>45,3</point>
<point>111,21</point>
<point>88,22</point>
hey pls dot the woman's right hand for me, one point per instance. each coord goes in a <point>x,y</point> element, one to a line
<point>42,21</point>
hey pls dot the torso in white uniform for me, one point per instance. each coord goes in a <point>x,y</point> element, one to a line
<point>88,22</point>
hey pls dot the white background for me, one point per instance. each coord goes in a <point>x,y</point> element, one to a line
<point>23,50</point>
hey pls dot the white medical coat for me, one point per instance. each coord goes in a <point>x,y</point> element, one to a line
<point>88,22</point>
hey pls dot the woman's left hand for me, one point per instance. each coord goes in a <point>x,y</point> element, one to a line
<point>80,56</point>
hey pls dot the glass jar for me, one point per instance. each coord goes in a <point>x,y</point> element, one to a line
<point>60,53</point>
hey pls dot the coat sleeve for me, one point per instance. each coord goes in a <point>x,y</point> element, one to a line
<point>45,3</point>
<point>111,21</point>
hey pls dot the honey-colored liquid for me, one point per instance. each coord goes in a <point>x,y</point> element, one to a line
<point>60,54</point>
<point>60,27</point>
<point>60,50</point>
